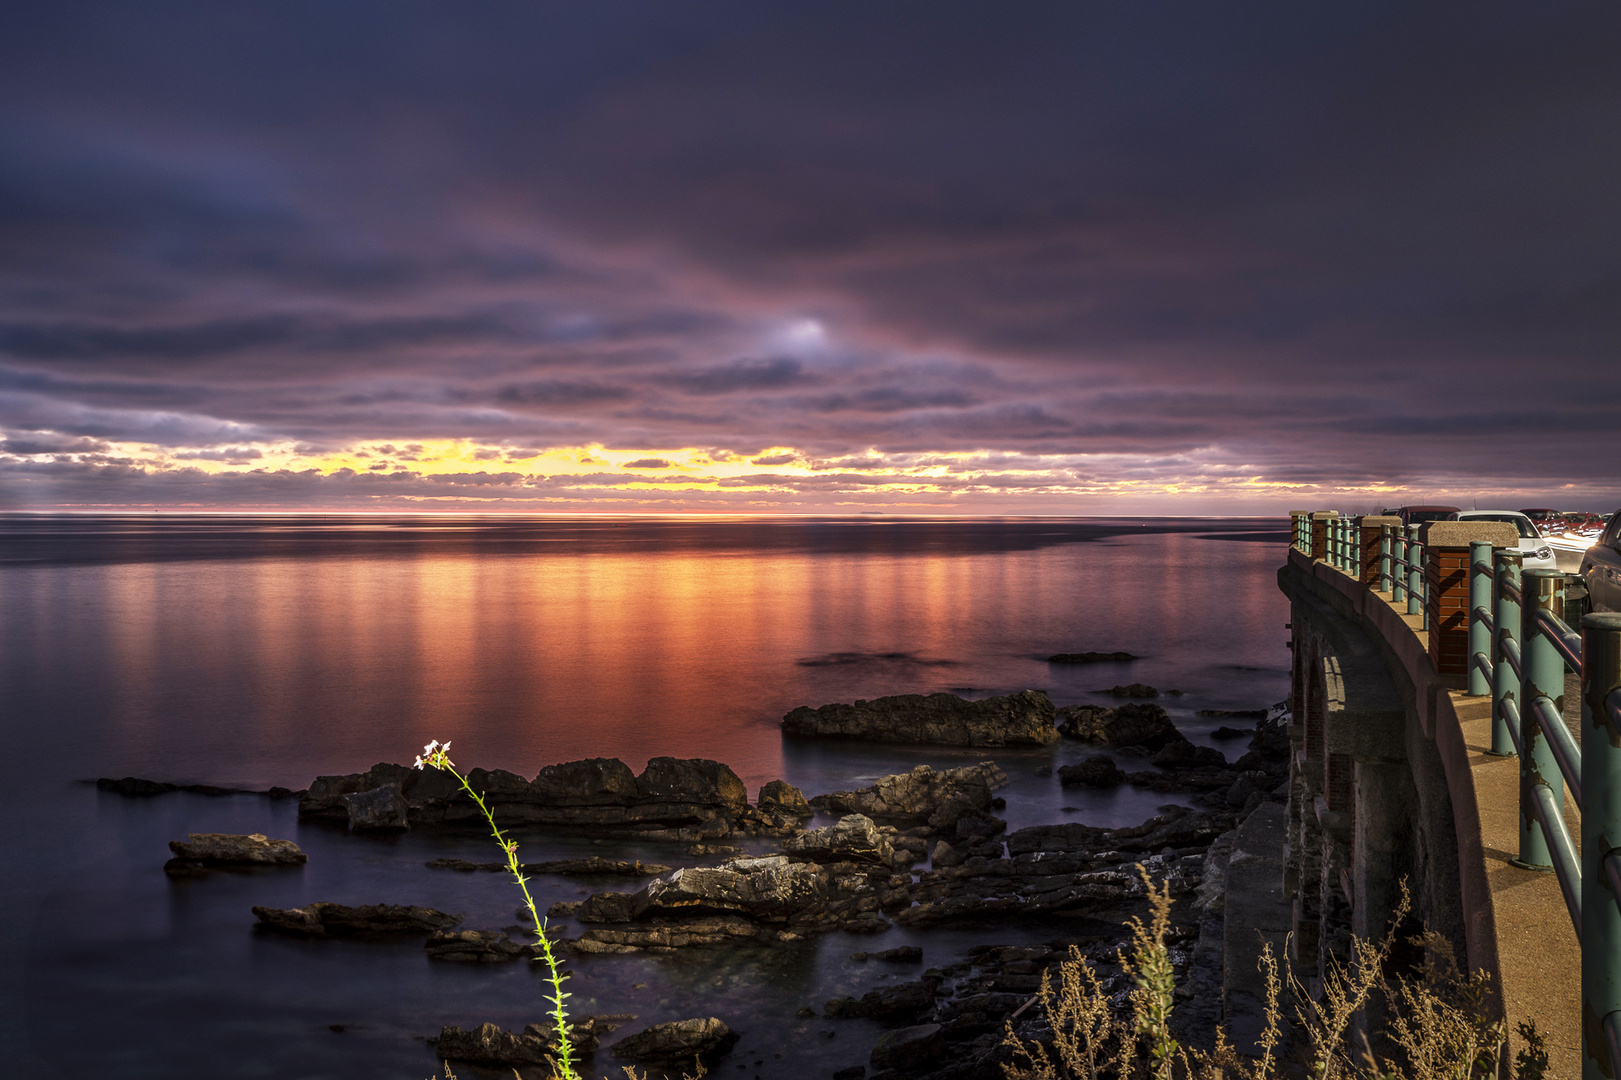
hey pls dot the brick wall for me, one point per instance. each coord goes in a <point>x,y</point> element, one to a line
<point>1446,578</point>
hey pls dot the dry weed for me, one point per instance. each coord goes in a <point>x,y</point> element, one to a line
<point>1438,1024</point>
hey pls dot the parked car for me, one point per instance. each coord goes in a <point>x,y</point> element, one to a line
<point>1601,568</point>
<point>1418,515</point>
<point>1540,515</point>
<point>1535,554</point>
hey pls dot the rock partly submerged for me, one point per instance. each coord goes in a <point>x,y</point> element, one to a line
<point>323,919</point>
<point>673,798</point>
<point>213,851</point>
<point>1022,719</point>
<point>1146,725</point>
<point>918,796</point>
<point>595,866</point>
<point>703,1039</point>
<point>1090,658</point>
<point>536,1044</point>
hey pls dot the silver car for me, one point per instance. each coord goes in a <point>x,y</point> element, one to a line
<point>1535,554</point>
<point>1601,568</point>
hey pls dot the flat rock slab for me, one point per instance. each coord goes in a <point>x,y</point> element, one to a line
<point>335,920</point>
<point>1257,913</point>
<point>1022,719</point>
<point>207,851</point>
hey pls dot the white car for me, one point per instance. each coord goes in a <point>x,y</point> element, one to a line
<point>1535,554</point>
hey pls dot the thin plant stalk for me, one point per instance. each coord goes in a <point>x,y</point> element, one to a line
<point>439,757</point>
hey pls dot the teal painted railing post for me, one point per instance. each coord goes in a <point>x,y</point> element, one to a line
<point>1543,675</point>
<point>1336,547</point>
<point>1480,600</point>
<point>1506,616</point>
<point>1415,572</point>
<point>1383,584</point>
<point>1398,581</point>
<point>1601,837</point>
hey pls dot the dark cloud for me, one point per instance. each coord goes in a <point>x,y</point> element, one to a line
<point>649,463</point>
<point>739,375</point>
<point>1356,245</point>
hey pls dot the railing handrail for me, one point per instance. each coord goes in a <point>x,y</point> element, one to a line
<point>1519,648</point>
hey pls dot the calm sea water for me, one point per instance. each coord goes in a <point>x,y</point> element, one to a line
<point>260,651</point>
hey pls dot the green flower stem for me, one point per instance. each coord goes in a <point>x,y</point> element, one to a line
<point>439,760</point>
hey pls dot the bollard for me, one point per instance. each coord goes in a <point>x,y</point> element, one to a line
<point>1398,583</point>
<point>1543,676</point>
<point>1383,584</point>
<point>1601,831</point>
<point>1506,615</point>
<point>1415,573</point>
<point>1480,597</point>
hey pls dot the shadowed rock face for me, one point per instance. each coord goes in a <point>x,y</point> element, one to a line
<point>853,838</point>
<point>1022,719</point>
<point>675,798</point>
<point>1143,725</point>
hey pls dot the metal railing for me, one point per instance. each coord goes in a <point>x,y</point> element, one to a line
<point>1519,650</point>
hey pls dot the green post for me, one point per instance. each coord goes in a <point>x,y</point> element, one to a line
<point>1601,836</point>
<point>1507,617</point>
<point>1398,581</point>
<point>1415,572</point>
<point>1383,584</point>
<point>1543,676</point>
<point>1480,598</point>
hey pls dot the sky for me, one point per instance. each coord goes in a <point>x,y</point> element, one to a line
<point>809,257</point>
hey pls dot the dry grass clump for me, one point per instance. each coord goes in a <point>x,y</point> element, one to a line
<point>1437,1025</point>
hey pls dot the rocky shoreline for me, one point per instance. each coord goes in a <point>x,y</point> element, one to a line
<point>861,874</point>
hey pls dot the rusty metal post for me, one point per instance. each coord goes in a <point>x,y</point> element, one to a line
<point>1601,842</point>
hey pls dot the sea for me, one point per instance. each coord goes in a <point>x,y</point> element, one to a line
<point>252,651</point>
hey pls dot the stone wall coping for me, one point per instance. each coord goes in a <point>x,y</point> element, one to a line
<point>1324,515</point>
<point>1378,519</point>
<point>1459,534</point>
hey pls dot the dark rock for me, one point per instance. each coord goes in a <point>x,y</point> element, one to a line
<point>900,954</point>
<point>606,907</point>
<point>691,782</point>
<point>594,866</point>
<point>1134,690</point>
<point>135,787</point>
<point>1225,732</point>
<point>675,1042</point>
<point>1022,719</point>
<point>913,797</point>
<point>1097,771</point>
<point>1145,725</point>
<point>665,936</point>
<point>1234,714</point>
<point>215,850</point>
<point>945,855</point>
<point>1187,755</point>
<point>781,795</point>
<point>334,920</point>
<point>909,1047</point>
<point>488,1044</point>
<point>853,1072</point>
<point>477,947</point>
<point>903,1001</point>
<point>1090,658</point>
<point>381,808</point>
<point>589,782</point>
